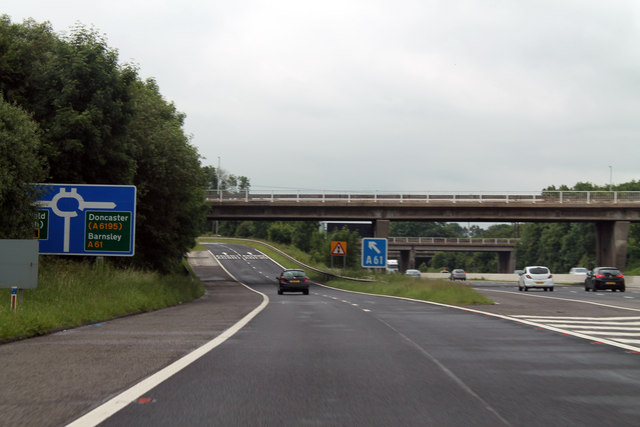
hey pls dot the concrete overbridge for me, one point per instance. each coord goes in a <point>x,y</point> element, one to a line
<point>610,211</point>
<point>408,249</point>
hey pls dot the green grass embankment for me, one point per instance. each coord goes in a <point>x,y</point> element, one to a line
<point>72,293</point>
<point>437,290</point>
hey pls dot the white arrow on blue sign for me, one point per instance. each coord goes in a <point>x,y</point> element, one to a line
<point>374,253</point>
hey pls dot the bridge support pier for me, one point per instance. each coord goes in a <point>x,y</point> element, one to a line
<point>407,259</point>
<point>506,262</point>
<point>381,228</point>
<point>611,243</point>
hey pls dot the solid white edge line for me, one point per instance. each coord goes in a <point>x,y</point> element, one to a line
<point>500,316</point>
<point>107,409</point>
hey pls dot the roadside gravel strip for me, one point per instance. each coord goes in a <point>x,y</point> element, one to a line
<point>54,379</point>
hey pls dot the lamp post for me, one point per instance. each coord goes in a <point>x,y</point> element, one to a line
<point>218,175</point>
<point>610,177</point>
<point>218,188</point>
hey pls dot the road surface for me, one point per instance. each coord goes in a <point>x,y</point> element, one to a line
<point>339,358</point>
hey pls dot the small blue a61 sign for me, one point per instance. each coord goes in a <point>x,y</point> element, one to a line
<point>374,253</point>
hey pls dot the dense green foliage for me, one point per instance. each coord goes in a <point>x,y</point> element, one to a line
<point>170,183</point>
<point>20,163</point>
<point>75,293</point>
<point>426,229</point>
<point>72,114</point>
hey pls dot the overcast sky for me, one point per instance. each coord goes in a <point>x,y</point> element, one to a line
<point>388,95</point>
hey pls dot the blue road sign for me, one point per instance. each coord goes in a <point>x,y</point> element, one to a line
<point>374,253</point>
<point>78,219</point>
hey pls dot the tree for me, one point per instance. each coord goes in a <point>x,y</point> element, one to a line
<point>79,96</point>
<point>353,246</point>
<point>281,232</point>
<point>302,233</point>
<point>245,229</point>
<point>87,129</point>
<point>227,182</point>
<point>170,183</point>
<point>498,231</point>
<point>425,229</point>
<point>20,167</point>
<point>26,53</point>
<point>211,177</point>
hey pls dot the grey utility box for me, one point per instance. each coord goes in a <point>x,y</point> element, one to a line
<point>19,264</point>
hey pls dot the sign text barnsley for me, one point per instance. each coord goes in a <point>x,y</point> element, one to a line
<point>107,231</point>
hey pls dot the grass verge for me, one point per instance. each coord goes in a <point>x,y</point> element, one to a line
<point>72,293</point>
<point>436,290</point>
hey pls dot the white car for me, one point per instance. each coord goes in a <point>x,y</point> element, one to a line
<point>536,277</point>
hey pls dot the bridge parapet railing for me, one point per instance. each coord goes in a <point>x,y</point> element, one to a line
<point>564,197</point>
<point>454,240</point>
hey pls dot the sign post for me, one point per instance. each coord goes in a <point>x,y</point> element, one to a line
<point>77,219</point>
<point>14,299</point>
<point>374,253</point>
<point>339,248</point>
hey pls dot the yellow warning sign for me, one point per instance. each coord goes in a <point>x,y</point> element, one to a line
<point>338,248</point>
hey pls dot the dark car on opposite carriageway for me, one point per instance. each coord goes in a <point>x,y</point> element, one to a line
<point>604,278</point>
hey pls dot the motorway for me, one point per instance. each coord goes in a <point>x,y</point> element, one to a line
<point>242,356</point>
<point>342,359</point>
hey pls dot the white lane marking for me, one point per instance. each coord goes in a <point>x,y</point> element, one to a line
<point>594,327</point>
<point>366,309</point>
<point>563,299</point>
<point>448,372</point>
<point>609,328</point>
<point>622,340</point>
<point>624,346</point>
<point>104,411</point>
<point>579,318</point>
<point>593,322</point>
<point>616,334</point>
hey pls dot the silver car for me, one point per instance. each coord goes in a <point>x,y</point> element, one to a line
<point>458,274</point>
<point>579,270</point>
<point>538,276</point>
<point>413,273</point>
